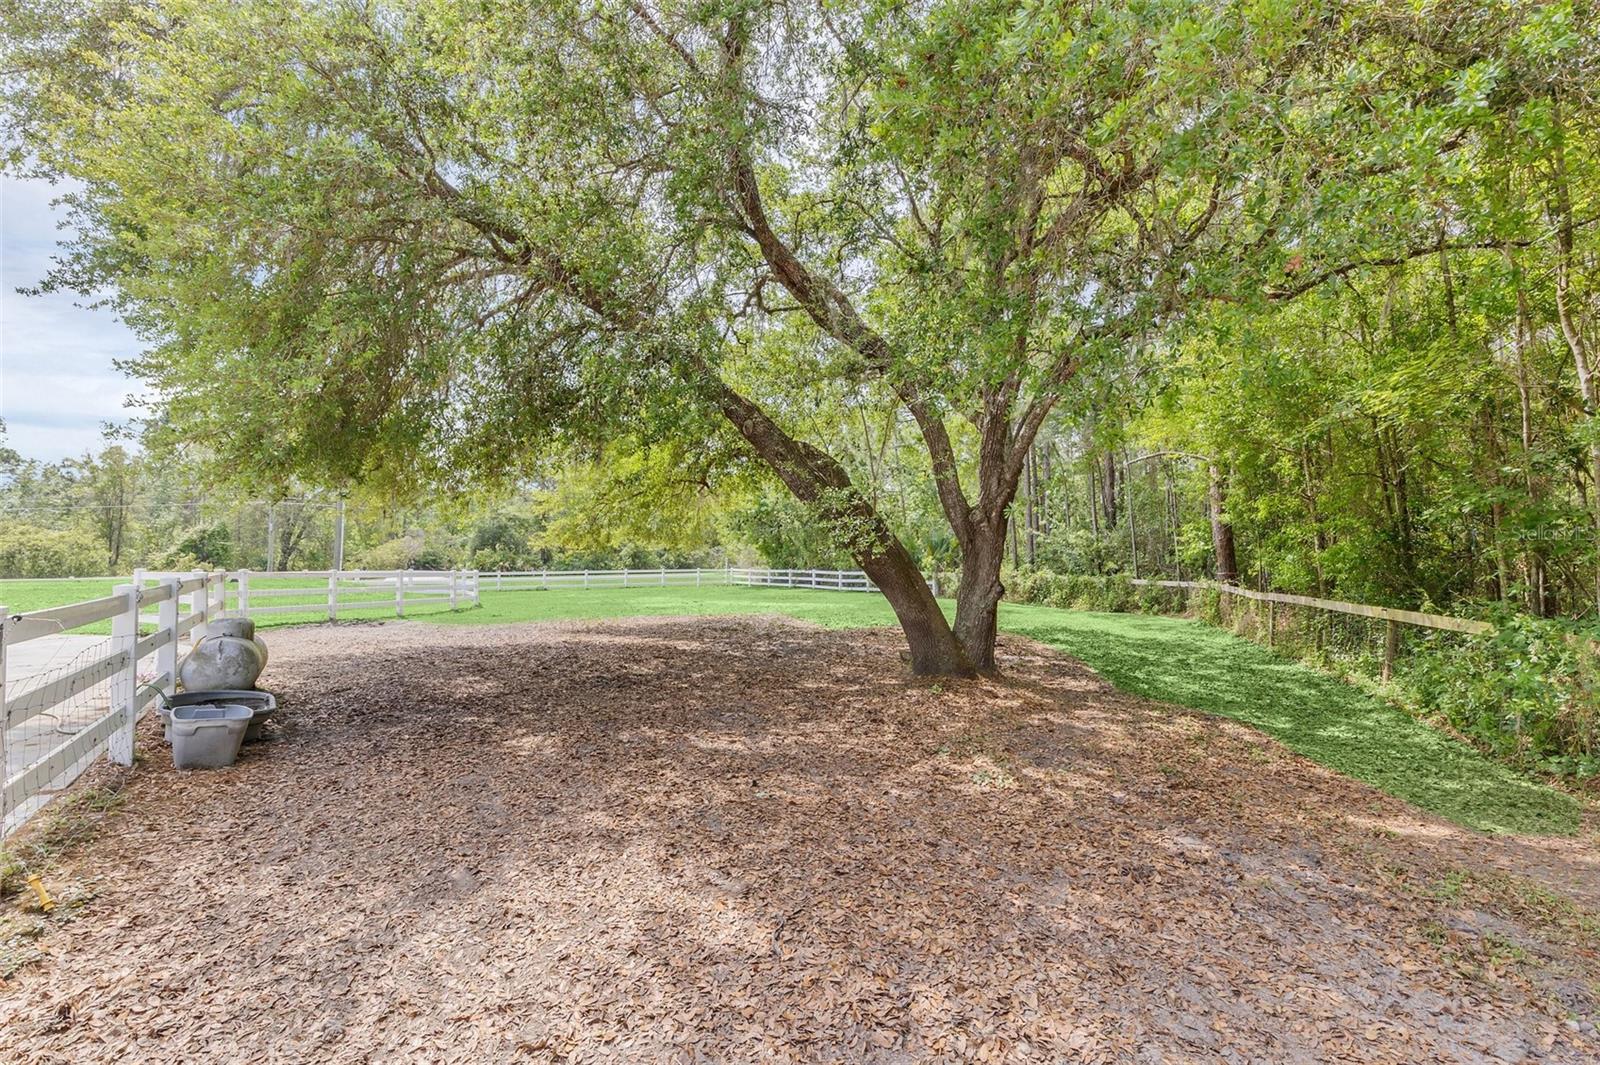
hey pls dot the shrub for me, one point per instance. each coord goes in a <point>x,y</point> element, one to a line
<point>29,551</point>
<point>1529,691</point>
<point>505,542</point>
<point>1071,591</point>
<point>203,547</point>
<point>405,552</point>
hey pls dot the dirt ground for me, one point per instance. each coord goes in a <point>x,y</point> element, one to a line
<point>741,840</point>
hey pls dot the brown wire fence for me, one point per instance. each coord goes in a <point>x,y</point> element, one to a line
<point>1356,637</point>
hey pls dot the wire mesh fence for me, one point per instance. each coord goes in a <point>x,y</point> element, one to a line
<point>59,710</point>
<point>1342,642</point>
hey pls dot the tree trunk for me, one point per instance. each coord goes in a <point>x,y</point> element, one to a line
<point>1030,492</point>
<point>979,592</point>
<point>1222,528</point>
<point>1044,493</point>
<point>1133,523</point>
<point>1532,559</point>
<point>1108,490</point>
<point>1588,378</point>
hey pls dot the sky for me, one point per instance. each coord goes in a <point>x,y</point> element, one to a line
<point>58,384</point>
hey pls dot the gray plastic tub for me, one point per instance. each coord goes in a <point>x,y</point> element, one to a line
<point>262,706</point>
<point>207,737</point>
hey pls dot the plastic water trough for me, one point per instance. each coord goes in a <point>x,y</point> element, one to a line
<point>262,706</point>
<point>207,737</point>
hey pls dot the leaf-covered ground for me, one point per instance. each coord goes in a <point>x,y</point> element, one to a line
<point>1174,660</point>
<point>1177,661</point>
<point>754,839</point>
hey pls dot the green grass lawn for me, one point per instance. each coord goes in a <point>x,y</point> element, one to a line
<point>836,610</point>
<point>21,596</point>
<point>1193,664</point>
<point>1172,660</point>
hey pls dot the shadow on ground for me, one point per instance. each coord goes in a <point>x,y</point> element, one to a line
<point>751,839</point>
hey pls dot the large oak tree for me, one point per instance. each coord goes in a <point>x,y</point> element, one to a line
<point>416,243</point>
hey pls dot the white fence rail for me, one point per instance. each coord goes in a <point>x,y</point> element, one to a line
<point>332,593</point>
<point>74,696</point>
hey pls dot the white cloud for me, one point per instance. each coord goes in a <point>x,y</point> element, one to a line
<point>58,384</point>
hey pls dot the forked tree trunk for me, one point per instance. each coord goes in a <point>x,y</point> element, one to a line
<point>817,478</point>
<point>935,650</point>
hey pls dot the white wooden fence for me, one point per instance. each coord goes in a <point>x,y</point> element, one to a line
<point>38,754</point>
<point>330,593</point>
<point>549,580</point>
<point>43,748</point>
<point>75,696</point>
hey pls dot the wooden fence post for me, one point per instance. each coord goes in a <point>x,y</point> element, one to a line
<point>1391,646</point>
<point>125,637</point>
<point>333,595</point>
<point>1272,623</point>
<point>244,593</point>
<point>167,655</point>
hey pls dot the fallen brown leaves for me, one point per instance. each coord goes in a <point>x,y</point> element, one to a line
<point>750,840</point>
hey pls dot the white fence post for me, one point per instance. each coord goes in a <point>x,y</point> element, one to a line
<point>624,576</point>
<point>697,576</point>
<point>333,595</point>
<point>455,578</point>
<point>477,590</point>
<point>200,606</point>
<point>244,593</point>
<point>167,656</point>
<point>586,580</point>
<point>125,637</point>
<point>399,593</point>
<point>663,576</point>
